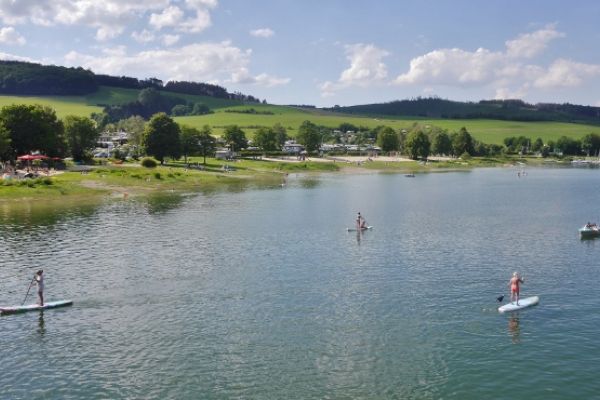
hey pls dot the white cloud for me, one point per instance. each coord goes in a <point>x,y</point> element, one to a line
<point>12,57</point>
<point>169,17</point>
<point>529,45</point>
<point>170,40</point>
<point>144,36</point>
<point>366,69</point>
<point>452,67</point>
<point>509,73</point>
<point>8,35</point>
<point>262,32</point>
<point>207,62</point>
<point>566,73</point>
<point>197,24</point>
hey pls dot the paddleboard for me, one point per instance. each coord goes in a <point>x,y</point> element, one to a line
<point>362,229</point>
<point>35,307</point>
<point>523,303</point>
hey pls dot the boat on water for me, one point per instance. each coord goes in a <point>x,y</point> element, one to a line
<point>409,175</point>
<point>589,230</point>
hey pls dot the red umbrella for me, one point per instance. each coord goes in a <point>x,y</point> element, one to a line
<point>29,157</point>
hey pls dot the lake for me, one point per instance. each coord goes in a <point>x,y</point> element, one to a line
<point>261,293</point>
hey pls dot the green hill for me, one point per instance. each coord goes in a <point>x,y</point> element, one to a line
<point>485,130</point>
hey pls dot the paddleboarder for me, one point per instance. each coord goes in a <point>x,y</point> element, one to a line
<point>39,280</point>
<point>514,284</point>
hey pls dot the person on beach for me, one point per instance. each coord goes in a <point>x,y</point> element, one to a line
<point>514,283</point>
<point>39,280</point>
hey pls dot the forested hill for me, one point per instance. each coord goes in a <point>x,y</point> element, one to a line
<point>511,110</point>
<point>23,78</point>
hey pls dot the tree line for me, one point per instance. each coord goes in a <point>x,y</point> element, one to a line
<point>24,78</point>
<point>512,110</point>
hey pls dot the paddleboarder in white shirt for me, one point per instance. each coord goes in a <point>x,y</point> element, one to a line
<point>39,279</point>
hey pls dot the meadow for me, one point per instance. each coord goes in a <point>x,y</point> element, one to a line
<point>487,131</point>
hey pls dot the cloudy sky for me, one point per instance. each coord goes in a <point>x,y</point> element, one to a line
<point>324,52</point>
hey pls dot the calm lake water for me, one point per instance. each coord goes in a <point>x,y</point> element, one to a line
<point>261,293</point>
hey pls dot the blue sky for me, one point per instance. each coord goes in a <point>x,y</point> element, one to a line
<point>324,52</point>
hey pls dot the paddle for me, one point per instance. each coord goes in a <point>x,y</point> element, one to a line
<point>28,289</point>
<point>500,298</point>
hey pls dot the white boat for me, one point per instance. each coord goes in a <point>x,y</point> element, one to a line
<point>589,230</point>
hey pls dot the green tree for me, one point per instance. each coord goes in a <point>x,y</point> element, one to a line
<point>161,137</point>
<point>417,144</point>
<point>568,146</point>
<point>189,139</point>
<point>387,139</point>
<point>134,126</point>
<point>309,136</point>
<point>280,134</point>
<point>5,148</point>
<point>442,145</point>
<point>235,137</point>
<point>81,136</point>
<point>206,142</point>
<point>180,109</point>
<point>266,139</point>
<point>537,145</point>
<point>590,144</point>
<point>34,127</point>
<point>462,142</point>
<point>200,109</point>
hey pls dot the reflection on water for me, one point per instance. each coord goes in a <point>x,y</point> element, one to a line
<point>309,183</point>
<point>25,214</point>
<point>162,202</point>
<point>41,323</point>
<point>513,328</point>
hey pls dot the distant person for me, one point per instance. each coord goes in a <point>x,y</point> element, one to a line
<point>39,279</point>
<point>514,284</point>
<point>358,221</point>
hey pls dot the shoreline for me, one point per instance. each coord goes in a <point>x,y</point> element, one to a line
<point>131,180</point>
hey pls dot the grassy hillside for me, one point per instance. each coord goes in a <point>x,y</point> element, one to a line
<point>487,131</point>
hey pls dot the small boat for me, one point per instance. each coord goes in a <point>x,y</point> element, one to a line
<point>409,175</point>
<point>35,307</point>
<point>589,230</point>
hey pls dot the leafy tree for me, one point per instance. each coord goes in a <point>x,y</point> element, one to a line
<point>235,137</point>
<point>387,139</point>
<point>189,139</point>
<point>568,146</point>
<point>34,127</point>
<point>345,127</point>
<point>206,142</point>
<point>442,145</point>
<point>417,144</point>
<point>180,109</point>
<point>266,139</point>
<point>537,145</point>
<point>200,109</point>
<point>280,134</point>
<point>81,135</point>
<point>161,137</point>
<point>309,136</point>
<point>462,142</point>
<point>590,143</point>
<point>4,143</point>
<point>134,126</point>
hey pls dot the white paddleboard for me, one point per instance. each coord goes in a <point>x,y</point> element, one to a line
<point>523,303</point>
<point>35,307</point>
<point>362,229</point>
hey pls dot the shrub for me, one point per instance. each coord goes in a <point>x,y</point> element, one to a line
<point>157,175</point>
<point>465,156</point>
<point>148,162</point>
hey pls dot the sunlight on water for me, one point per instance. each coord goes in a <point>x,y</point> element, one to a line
<point>263,293</point>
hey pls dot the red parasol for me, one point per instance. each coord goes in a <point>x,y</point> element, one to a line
<point>30,157</point>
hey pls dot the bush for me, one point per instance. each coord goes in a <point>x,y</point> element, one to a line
<point>157,175</point>
<point>465,156</point>
<point>148,162</point>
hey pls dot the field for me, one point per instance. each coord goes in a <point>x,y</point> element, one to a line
<point>487,131</point>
